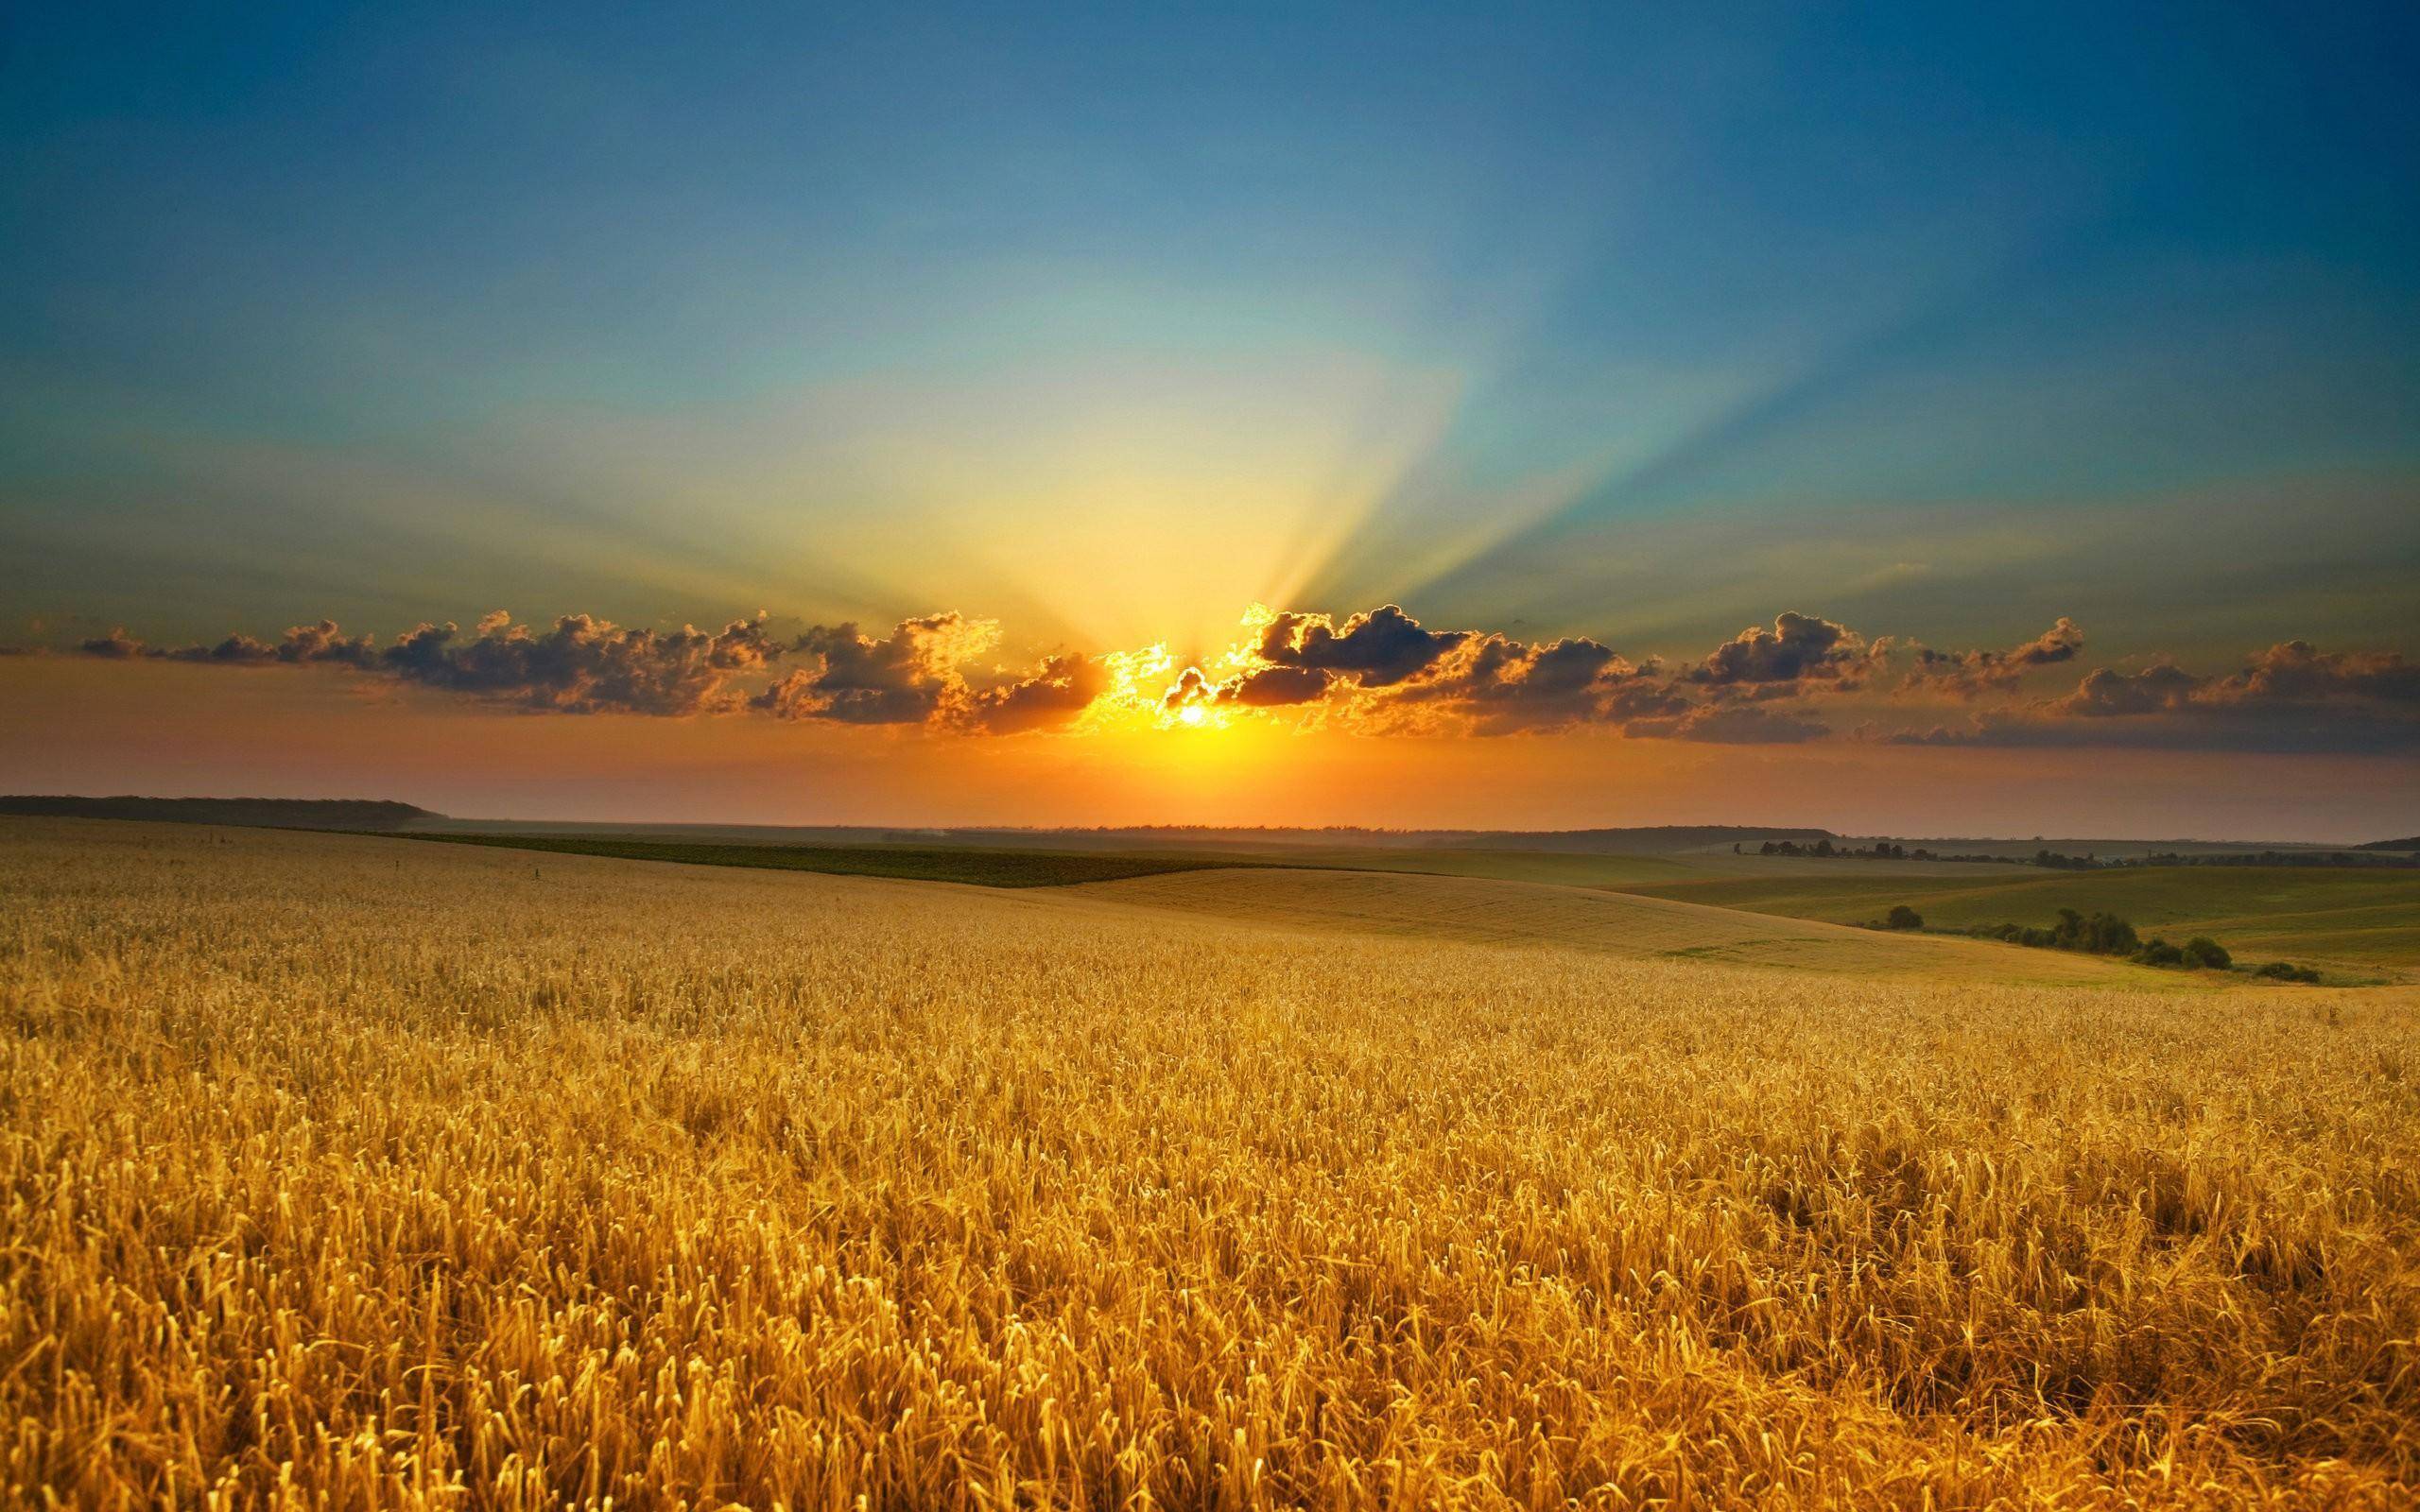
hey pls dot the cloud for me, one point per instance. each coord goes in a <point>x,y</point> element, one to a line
<point>1507,686</point>
<point>2294,672</point>
<point>2109,695</point>
<point>1274,688</point>
<point>301,645</point>
<point>1384,671</point>
<point>2290,681</point>
<point>2061,642</point>
<point>1379,671</point>
<point>1064,688</point>
<point>1799,649</point>
<point>900,679</point>
<point>2291,698</point>
<point>1972,674</point>
<point>322,642</point>
<point>236,648</point>
<point>1190,688</point>
<point>580,665</point>
<point>117,646</point>
<point>1377,649</point>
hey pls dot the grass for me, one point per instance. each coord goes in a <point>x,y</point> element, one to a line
<point>2350,920</point>
<point>339,1173</point>
<point>982,868</point>
<point>1570,869</point>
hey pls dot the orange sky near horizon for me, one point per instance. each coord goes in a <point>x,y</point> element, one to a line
<point>171,729</point>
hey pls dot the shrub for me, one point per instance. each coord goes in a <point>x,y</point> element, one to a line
<point>1903,916</point>
<point>2159,953</point>
<point>2286,972</point>
<point>2102,933</point>
<point>2202,951</point>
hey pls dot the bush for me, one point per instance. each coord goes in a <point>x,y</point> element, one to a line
<point>2286,972</point>
<point>2159,953</point>
<point>2102,933</point>
<point>1903,916</point>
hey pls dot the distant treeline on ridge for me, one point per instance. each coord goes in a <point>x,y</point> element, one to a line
<point>2371,856</point>
<point>274,813</point>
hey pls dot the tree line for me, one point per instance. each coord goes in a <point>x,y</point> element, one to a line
<point>2105,933</point>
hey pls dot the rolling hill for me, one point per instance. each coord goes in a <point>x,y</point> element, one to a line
<point>2354,921</point>
<point>1498,912</point>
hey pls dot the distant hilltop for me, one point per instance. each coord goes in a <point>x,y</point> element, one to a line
<point>273,813</point>
<point>1653,840</point>
<point>2413,843</point>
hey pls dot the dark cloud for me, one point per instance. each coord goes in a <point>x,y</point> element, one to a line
<point>913,676</point>
<point>1507,686</point>
<point>2295,672</point>
<point>900,679</point>
<point>2061,642</point>
<point>1379,671</point>
<point>1384,670</point>
<point>236,649</point>
<point>1377,649</point>
<point>2291,698</point>
<point>1065,686</point>
<point>323,642</point>
<point>303,644</point>
<point>1644,698</point>
<point>1275,688</point>
<point>1799,649</point>
<point>1191,687</point>
<point>1972,674</point>
<point>580,665</point>
<point>116,646</point>
<point>2108,695</point>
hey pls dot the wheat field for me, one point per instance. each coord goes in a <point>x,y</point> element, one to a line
<point>1501,911</point>
<point>346,1173</point>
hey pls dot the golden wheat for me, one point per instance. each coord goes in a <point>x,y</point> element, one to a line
<point>345,1173</point>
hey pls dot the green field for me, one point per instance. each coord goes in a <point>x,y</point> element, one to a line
<point>1625,871</point>
<point>980,867</point>
<point>1575,870</point>
<point>2352,922</point>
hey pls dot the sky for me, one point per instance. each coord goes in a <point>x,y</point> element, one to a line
<point>1903,418</point>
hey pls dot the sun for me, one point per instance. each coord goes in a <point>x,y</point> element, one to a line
<point>1192,713</point>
